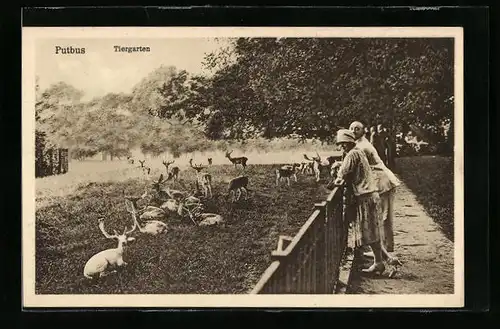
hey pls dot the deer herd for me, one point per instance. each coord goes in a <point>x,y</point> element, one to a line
<point>164,202</point>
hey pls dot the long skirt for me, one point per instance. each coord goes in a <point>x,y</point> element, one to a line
<point>387,219</point>
<point>366,224</point>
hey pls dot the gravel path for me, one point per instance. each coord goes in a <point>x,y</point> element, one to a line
<point>427,255</point>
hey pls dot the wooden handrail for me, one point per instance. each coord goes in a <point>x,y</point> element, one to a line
<point>265,277</point>
<point>288,266</point>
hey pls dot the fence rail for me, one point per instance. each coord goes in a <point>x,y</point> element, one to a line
<point>309,263</point>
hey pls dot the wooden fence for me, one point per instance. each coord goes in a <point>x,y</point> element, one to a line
<point>51,162</point>
<point>310,262</point>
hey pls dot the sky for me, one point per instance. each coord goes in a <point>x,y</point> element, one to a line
<point>101,70</point>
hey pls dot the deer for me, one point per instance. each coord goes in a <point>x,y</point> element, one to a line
<point>236,186</point>
<point>166,193</point>
<point>195,212</point>
<point>142,163</point>
<point>209,160</point>
<point>173,205</point>
<point>203,180</point>
<point>173,173</point>
<point>153,227</point>
<point>318,164</point>
<point>334,168</point>
<point>147,212</point>
<point>239,160</point>
<point>286,172</point>
<point>105,262</point>
<point>130,160</point>
<point>146,170</point>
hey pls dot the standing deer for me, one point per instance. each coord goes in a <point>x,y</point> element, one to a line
<point>146,170</point>
<point>237,161</point>
<point>173,173</point>
<point>318,164</point>
<point>209,161</point>
<point>142,163</point>
<point>203,180</point>
<point>106,261</point>
<point>236,186</point>
<point>286,172</point>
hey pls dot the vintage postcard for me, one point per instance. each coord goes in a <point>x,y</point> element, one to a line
<point>242,167</point>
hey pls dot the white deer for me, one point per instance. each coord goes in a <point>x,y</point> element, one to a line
<point>106,261</point>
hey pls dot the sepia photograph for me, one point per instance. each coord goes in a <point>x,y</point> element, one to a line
<point>231,167</point>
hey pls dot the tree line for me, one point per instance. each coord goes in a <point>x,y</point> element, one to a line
<point>262,89</point>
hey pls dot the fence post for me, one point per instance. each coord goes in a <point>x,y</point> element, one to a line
<point>320,258</point>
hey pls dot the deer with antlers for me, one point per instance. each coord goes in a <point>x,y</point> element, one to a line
<point>152,227</point>
<point>106,261</point>
<point>203,180</point>
<point>318,164</point>
<point>237,161</point>
<point>173,173</point>
<point>164,193</point>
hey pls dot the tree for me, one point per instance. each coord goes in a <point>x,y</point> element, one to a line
<point>310,87</point>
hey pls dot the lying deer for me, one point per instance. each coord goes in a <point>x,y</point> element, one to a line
<point>239,160</point>
<point>106,261</point>
<point>152,227</point>
<point>236,186</point>
<point>173,173</point>
<point>203,180</point>
<point>130,160</point>
<point>166,193</point>
<point>286,172</point>
<point>196,214</point>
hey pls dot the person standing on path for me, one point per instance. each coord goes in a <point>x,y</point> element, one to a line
<point>387,183</point>
<point>378,141</point>
<point>355,171</point>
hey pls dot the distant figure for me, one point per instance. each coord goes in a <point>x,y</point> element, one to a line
<point>209,161</point>
<point>391,149</point>
<point>377,139</point>
<point>367,133</point>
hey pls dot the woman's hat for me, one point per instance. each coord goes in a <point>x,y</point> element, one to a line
<point>345,136</point>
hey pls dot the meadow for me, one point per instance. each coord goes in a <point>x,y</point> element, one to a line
<point>188,259</point>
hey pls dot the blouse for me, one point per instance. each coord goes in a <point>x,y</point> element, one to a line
<point>356,171</point>
<point>386,180</point>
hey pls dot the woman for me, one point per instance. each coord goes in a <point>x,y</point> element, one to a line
<point>356,172</point>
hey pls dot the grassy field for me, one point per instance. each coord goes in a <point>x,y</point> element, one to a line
<point>431,179</point>
<point>188,259</point>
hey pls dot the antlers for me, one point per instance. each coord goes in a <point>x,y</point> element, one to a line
<point>115,235</point>
<point>167,163</point>
<point>318,158</point>
<point>198,168</point>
